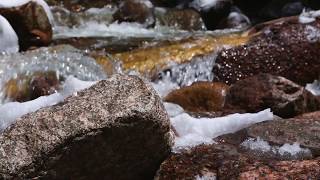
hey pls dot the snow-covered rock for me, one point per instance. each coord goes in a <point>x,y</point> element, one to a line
<point>15,3</point>
<point>8,37</point>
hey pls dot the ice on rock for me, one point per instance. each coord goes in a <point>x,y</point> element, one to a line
<point>8,37</point>
<point>260,145</point>
<point>193,131</point>
<point>15,3</point>
<point>13,110</point>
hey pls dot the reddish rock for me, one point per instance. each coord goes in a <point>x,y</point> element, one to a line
<point>284,47</point>
<point>308,169</point>
<point>31,24</point>
<point>200,97</point>
<point>139,11</point>
<point>285,98</point>
<point>226,162</point>
<point>303,130</point>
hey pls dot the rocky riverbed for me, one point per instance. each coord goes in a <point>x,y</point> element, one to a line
<point>159,89</point>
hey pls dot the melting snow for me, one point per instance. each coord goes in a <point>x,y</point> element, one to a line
<point>263,146</point>
<point>11,111</point>
<point>8,37</point>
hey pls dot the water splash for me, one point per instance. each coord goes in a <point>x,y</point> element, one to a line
<point>64,60</point>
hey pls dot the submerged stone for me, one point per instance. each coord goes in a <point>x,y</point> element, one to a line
<point>117,129</point>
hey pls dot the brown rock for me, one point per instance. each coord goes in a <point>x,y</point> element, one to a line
<point>26,88</point>
<point>308,169</point>
<point>185,19</point>
<point>139,11</point>
<point>200,96</point>
<point>31,24</point>
<point>226,162</point>
<point>285,98</point>
<point>304,130</point>
<point>117,129</point>
<point>284,47</point>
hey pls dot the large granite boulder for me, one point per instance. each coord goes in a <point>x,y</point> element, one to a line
<point>31,23</point>
<point>284,47</point>
<point>117,129</point>
<point>285,98</point>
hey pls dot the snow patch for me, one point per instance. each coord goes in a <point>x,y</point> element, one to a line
<point>194,131</point>
<point>259,144</point>
<point>13,110</point>
<point>308,16</point>
<point>8,37</point>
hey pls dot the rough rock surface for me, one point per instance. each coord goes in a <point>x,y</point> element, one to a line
<point>284,47</point>
<point>200,97</point>
<point>226,162</point>
<point>284,97</point>
<point>31,24</point>
<point>304,130</point>
<point>185,19</point>
<point>117,129</point>
<point>138,11</point>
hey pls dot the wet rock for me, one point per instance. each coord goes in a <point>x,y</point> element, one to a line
<point>117,129</point>
<point>226,162</point>
<point>285,98</point>
<point>200,97</point>
<point>235,20</point>
<point>185,19</point>
<point>31,24</point>
<point>283,47</point>
<point>26,88</point>
<point>212,12</point>
<point>266,10</point>
<point>139,11</point>
<point>308,169</point>
<point>303,130</point>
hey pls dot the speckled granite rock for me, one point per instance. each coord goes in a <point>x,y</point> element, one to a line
<point>117,129</point>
